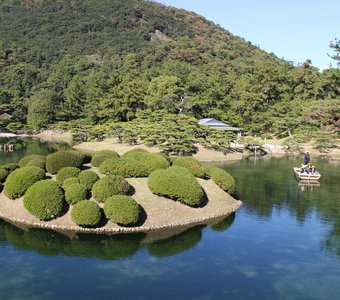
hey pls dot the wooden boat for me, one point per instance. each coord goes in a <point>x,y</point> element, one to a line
<point>304,176</point>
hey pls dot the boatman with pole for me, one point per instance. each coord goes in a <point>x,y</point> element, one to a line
<point>306,158</point>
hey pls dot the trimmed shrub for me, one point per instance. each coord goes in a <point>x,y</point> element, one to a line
<point>176,183</point>
<point>37,162</point>
<point>86,213</point>
<point>125,167</point>
<point>44,199</point>
<point>3,175</point>
<point>10,167</point>
<point>122,210</point>
<point>191,164</point>
<point>62,159</point>
<point>20,180</point>
<point>26,159</point>
<point>103,155</point>
<point>154,161</point>
<point>109,186</point>
<point>222,178</point>
<point>66,172</point>
<point>75,193</point>
<point>70,181</point>
<point>87,156</point>
<point>88,178</point>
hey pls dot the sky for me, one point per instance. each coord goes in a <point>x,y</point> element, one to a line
<point>295,30</point>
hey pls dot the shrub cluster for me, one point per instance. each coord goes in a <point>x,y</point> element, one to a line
<point>86,213</point>
<point>33,160</point>
<point>88,178</point>
<point>100,156</point>
<point>10,167</point>
<point>70,181</point>
<point>222,178</point>
<point>153,160</point>
<point>62,159</point>
<point>3,175</point>
<point>109,186</point>
<point>44,199</point>
<point>191,164</point>
<point>21,179</point>
<point>122,210</point>
<point>125,167</point>
<point>176,183</point>
<point>65,173</point>
<point>75,193</point>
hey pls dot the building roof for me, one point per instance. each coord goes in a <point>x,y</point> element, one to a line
<point>211,122</point>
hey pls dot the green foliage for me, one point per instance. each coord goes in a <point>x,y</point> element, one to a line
<point>109,186</point>
<point>66,172</point>
<point>191,164</point>
<point>176,183</point>
<point>3,175</point>
<point>37,162</point>
<point>86,213</point>
<point>125,167</point>
<point>10,167</point>
<point>75,193</point>
<point>20,180</point>
<point>44,199</point>
<point>153,160</point>
<point>26,159</point>
<point>88,178</point>
<point>101,156</point>
<point>123,210</point>
<point>64,158</point>
<point>222,178</point>
<point>70,181</point>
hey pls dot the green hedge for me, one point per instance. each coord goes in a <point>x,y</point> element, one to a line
<point>21,179</point>
<point>153,160</point>
<point>191,164</point>
<point>62,159</point>
<point>222,178</point>
<point>109,186</point>
<point>125,167</point>
<point>3,175</point>
<point>123,210</point>
<point>65,173</point>
<point>37,162</point>
<point>176,183</point>
<point>70,181</point>
<point>44,199</point>
<point>88,178</point>
<point>86,213</point>
<point>103,155</point>
<point>10,167</point>
<point>75,193</point>
<point>26,159</point>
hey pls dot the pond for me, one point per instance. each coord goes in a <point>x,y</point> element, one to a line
<point>284,243</point>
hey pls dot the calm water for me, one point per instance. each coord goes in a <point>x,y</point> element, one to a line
<point>284,243</point>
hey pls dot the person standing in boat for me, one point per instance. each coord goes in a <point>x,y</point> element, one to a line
<point>306,158</point>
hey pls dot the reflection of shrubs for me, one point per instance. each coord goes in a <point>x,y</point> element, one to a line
<point>109,186</point>
<point>125,167</point>
<point>61,159</point>
<point>176,183</point>
<point>66,172</point>
<point>224,224</point>
<point>28,158</point>
<point>176,244</point>
<point>21,179</point>
<point>222,178</point>
<point>86,213</point>
<point>122,210</point>
<point>88,178</point>
<point>44,199</point>
<point>153,160</point>
<point>75,193</point>
<point>70,181</point>
<point>100,156</point>
<point>191,164</point>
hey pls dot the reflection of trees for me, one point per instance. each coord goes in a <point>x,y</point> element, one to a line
<point>176,244</point>
<point>224,224</point>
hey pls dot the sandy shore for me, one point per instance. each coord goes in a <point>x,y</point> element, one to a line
<point>158,212</point>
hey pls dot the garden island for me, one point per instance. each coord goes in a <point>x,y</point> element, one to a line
<point>108,193</point>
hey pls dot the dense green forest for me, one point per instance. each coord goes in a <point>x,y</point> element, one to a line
<point>108,61</point>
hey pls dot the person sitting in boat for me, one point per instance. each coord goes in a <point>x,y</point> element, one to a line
<point>308,169</point>
<point>302,168</point>
<point>313,169</point>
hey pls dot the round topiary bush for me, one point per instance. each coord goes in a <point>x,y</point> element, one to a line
<point>26,159</point>
<point>191,164</point>
<point>88,178</point>
<point>76,193</point>
<point>66,172</point>
<point>70,181</point>
<point>86,213</point>
<point>103,155</point>
<point>125,167</point>
<point>154,161</point>
<point>109,186</point>
<point>62,159</point>
<point>3,175</point>
<point>123,210</point>
<point>44,199</point>
<point>37,162</point>
<point>176,183</point>
<point>21,179</point>
<point>222,178</point>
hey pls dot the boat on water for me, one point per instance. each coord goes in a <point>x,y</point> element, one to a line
<point>307,176</point>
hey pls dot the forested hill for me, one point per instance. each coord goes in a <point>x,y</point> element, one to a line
<point>108,60</point>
